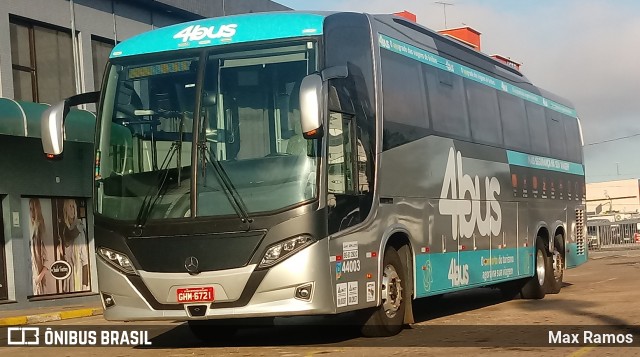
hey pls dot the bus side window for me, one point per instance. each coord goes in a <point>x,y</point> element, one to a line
<point>574,149</point>
<point>484,113</point>
<point>537,129</point>
<point>514,122</point>
<point>342,173</point>
<point>557,138</point>
<point>447,103</point>
<point>402,83</point>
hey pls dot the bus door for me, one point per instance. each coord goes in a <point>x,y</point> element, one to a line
<point>349,176</point>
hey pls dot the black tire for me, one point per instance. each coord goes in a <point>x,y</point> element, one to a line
<point>211,331</point>
<point>535,287</point>
<point>555,275</point>
<point>379,322</point>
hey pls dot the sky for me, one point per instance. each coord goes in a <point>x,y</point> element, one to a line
<point>587,51</point>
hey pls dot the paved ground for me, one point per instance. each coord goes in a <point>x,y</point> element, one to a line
<point>603,292</point>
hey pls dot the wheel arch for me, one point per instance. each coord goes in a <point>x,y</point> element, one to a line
<point>542,231</point>
<point>560,229</point>
<point>399,238</point>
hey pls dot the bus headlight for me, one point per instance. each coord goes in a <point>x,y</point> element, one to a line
<point>282,250</point>
<point>118,260</point>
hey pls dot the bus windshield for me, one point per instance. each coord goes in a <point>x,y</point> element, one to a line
<point>251,157</point>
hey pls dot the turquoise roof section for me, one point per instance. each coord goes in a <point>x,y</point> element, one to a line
<point>18,118</point>
<point>221,31</point>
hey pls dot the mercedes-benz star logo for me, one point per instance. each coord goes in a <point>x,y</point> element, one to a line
<point>191,264</point>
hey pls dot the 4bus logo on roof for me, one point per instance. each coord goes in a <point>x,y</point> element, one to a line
<point>197,32</point>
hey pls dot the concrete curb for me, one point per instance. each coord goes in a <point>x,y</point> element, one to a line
<point>47,317</point>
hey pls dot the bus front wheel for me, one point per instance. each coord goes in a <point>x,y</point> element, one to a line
<point>387,319</point>
<point>535,287</point>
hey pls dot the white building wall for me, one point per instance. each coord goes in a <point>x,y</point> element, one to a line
<point>622,196</point>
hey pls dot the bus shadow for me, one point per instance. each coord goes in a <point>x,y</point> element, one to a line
<point>338,330</point>
<point>438,306</point>
<point>588,309</point>
<point>292,331</point>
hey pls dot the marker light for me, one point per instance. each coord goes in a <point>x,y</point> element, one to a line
<point>52,157</point>
<point>280,251</point>
<point>118,260</point>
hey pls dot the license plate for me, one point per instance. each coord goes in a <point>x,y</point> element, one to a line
<point>189,295</point>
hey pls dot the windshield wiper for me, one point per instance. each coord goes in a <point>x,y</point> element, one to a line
<point>150,200</point>
<point>228,187</point>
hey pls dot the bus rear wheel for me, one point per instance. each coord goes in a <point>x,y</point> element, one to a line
<point>555,274</point>
<point>535,287</point>
<point>387,319</point>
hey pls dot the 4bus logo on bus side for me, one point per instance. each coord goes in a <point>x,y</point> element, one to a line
<point>466,213</point>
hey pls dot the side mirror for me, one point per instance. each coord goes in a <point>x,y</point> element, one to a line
<point>311,106</point>
<point>52,121</point>
<point>52,129</point>
<point>311,100</point>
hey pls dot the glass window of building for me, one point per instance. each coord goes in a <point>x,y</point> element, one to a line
<point>42,62</point>
<point>100,51</point>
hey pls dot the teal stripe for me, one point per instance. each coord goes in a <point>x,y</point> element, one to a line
<point>544,163</point>
<point>442,63</point>
<point>221,31</point>
<point>470,269</point>
<point>575,258</point>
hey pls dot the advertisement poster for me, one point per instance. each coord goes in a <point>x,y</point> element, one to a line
<point>58,245</point>
<point>4,290</point>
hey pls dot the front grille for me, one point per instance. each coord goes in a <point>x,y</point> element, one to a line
<point>580,231</point>
<point>168,254</point>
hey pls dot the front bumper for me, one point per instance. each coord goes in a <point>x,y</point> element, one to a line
<point>239,293</point>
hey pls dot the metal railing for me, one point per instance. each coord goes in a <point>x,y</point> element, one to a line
<point>621,234</point>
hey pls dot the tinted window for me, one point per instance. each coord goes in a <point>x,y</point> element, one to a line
<point>514,122</point>
<point>100,51</point>
<point>574,145</point>
<point>537,129</point>
<point>557,139</point>
<point>42,65</point>
<point>54,63</point>
<point>447,102</point>
<point>405,114</point>
<point>484,115</point>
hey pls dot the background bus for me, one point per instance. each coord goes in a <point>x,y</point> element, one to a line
<point>342,162</point>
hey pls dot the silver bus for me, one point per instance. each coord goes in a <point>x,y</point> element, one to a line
<point>295,163</point>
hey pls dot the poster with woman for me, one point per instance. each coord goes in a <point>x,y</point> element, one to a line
<point>58,245</point>
<point>4,290</point>
<point>41,246</point>
<point>72,243</point>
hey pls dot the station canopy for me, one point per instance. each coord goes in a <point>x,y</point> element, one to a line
<point>18,118</point>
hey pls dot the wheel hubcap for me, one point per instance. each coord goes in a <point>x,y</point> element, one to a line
<point>391,291</point>
<point>540,267</point>
<point>557,265</point>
